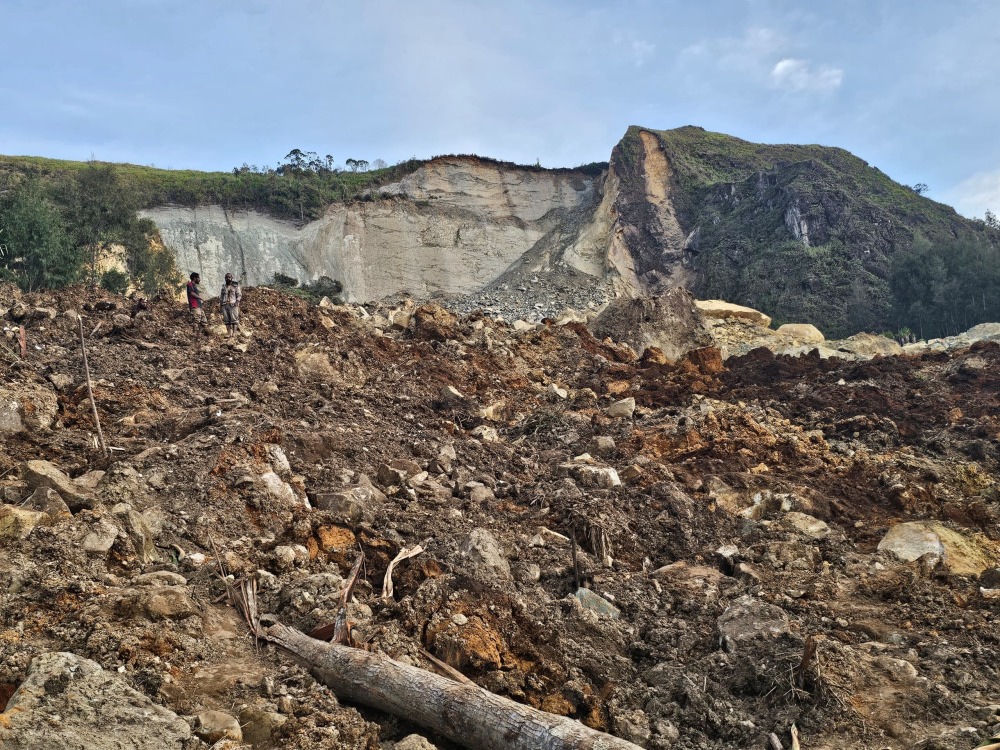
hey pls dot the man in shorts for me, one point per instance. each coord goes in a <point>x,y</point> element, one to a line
<point>230,299</point>
<point>196,303</point>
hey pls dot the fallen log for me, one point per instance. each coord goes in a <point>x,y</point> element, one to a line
<point>464,713</point>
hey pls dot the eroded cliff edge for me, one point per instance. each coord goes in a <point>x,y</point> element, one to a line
<point>451,227</point>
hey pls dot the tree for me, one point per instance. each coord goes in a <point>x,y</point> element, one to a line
<point>38,254</point>
<point>920,188</point>
<point>991,220</point>
<point>100,209</point>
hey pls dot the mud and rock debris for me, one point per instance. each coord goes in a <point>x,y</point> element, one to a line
<point>742,534</point>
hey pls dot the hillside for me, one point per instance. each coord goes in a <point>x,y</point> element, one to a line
<point>805,232</point>
<point>761,543</point>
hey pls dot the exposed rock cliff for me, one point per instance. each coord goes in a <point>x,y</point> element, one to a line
<point>451,227</point>
<point>804,231</point>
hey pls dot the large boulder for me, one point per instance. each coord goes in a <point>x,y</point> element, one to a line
<point>959,554</point>
<point>868,345</point>
<point>804,333</point>
<point>716,308</point>
<point>68,701</point>
<point>46,474</point>
<point>670,322</point>
<point>28,406</point>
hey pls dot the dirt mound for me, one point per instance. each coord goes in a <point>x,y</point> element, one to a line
<point>732,581</point>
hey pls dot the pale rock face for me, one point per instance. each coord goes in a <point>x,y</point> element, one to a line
<point>463,225</point>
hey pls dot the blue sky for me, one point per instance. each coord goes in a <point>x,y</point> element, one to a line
<point>912,86</point>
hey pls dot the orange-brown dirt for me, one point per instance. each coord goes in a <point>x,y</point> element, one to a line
<point>221,448</point>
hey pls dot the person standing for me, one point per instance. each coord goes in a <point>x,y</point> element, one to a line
<point>230,299</point>
<point>196,303</point>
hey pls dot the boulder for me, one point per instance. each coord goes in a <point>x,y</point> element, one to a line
<point>959,554</point>
<point>669,322</point>
<point>214,726</point>
<point>101,538</point>
<point>804,333</point>
<point>432,322</point>
<point>485,561</point>
<point>623,409</point>
<point>68,701</point>
<point>868,345</point>
<point>748,618</point>
<point>596,603</point>
<point>716,308</point>
<point>29,406</point>
<point>414,742</point>
<point>47,500</point>
<point>45,474</point>
<point>805,524</point>
<point>18,523</point>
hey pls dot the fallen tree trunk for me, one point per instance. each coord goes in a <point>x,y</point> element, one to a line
<point>464,713</point>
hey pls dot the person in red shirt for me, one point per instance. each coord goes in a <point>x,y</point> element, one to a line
<point>196,303</point>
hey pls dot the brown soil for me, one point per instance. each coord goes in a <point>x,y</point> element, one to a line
<point>906,654</point>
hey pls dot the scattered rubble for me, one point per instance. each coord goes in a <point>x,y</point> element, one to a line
<point>693,553</point>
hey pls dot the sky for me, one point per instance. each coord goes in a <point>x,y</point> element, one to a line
<point>911,86</point>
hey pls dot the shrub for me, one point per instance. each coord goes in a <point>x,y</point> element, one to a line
<point>114,281</point>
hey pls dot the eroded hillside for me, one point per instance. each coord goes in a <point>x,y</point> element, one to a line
<point>728,524</point>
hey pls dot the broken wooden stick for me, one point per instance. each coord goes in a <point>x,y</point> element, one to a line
<point>466,714</point>
<point>446,669</point>
<point>23,341</point>
<point>90,392</point>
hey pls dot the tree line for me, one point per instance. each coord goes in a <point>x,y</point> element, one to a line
<point>941,289</point>
<point>58,232</point>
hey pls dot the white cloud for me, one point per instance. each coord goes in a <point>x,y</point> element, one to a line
<point>975,194</point>
<point>799,75</point>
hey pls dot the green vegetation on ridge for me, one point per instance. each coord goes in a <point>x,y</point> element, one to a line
<point>815,234</point>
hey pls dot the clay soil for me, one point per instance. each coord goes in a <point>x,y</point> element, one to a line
<point>732,622</point>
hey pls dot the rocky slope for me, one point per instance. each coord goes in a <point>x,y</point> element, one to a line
<point>763,542</point>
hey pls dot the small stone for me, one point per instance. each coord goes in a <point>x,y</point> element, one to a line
<point>213,726</point>
<point>805,525</point>
<point>487,434</point>
<point>560,393</point>
<point>414,742</point>
<point>623,409</point>
<point>460,619</point>
<point>596,603</point>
